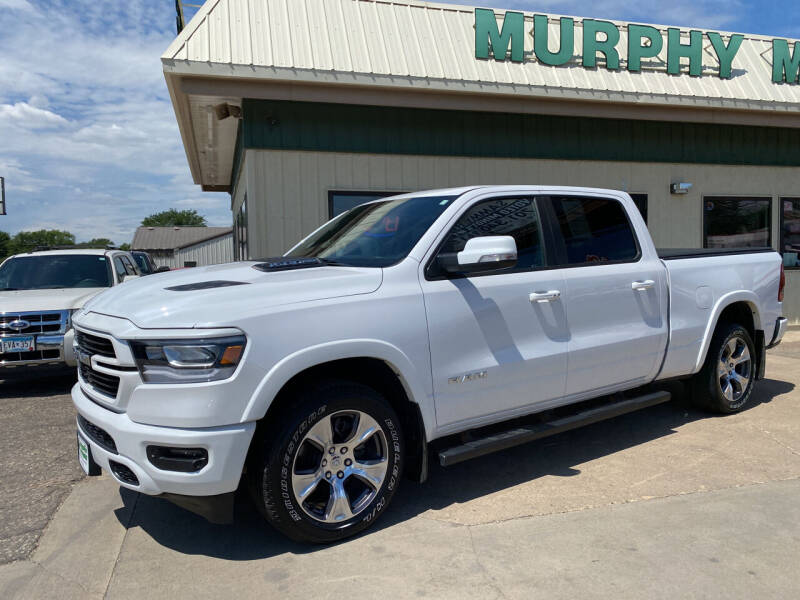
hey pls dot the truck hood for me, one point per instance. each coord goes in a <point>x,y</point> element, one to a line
<point>223,295</point>
<point>42,300</point>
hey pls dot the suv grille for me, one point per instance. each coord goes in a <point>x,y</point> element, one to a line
<point>97,435</point>
<point>103,383</point>
<point>93,344</point>
<point>44,322</point>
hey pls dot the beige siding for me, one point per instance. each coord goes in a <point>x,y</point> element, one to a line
<point>791,299</point>
<point>292,187</point>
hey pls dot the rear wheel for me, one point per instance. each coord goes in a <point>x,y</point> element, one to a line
<point>725,382</point>
<point>332,465</point>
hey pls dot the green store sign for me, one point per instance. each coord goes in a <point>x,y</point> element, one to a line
<point>602,37</point>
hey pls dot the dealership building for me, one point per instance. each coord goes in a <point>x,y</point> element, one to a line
<point>301,109</point>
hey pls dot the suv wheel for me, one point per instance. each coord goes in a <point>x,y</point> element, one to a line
<point>332,464</point>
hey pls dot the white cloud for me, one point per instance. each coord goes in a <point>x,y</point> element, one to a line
<point>30,117</point>
<point>89,138</point>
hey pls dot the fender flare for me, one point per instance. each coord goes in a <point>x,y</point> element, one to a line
<point>721,304</point>
<point>416,384</point>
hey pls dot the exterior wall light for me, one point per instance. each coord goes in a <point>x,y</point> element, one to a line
<point>679,188</point>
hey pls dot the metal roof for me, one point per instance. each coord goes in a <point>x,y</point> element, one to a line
<point>174,238</point>
<point>386,52</point>
<point>408,43</point>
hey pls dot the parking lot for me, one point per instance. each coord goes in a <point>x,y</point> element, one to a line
<point>668,502</point>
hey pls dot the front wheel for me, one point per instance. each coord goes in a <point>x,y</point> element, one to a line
<point>332,465</point>
<point>725,382</point>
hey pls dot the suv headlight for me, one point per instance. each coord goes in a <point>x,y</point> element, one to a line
<point>188,361</point>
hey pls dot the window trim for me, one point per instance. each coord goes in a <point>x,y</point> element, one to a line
<point>769,203</point>
<point>508,271</point>
<point>560,247</point>
<point>363,194</point>
<point>781,222</point>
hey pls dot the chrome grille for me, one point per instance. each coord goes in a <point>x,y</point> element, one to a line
<point>32,323</point>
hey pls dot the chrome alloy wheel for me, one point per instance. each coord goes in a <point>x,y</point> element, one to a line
<point>734,369</point>
<point>340,466</point>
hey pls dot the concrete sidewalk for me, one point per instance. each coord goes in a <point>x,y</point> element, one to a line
<point>667,502</point>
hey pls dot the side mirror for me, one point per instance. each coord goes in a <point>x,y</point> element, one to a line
<point>482,254</point>
<point>129,278</point>
<point>161,269</point>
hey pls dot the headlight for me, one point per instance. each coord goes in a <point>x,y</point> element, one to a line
<point>188,361</point>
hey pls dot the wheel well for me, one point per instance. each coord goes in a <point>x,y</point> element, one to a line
<point>376,374</point>
<point>740,313</point>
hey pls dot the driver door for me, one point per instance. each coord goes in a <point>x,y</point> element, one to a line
<point>496,351</point>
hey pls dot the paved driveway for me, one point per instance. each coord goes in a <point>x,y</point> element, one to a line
<point>667,502</point>
<point>37,455</point>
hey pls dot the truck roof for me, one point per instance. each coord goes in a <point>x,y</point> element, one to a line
<point>457,191</point>
<point>89,251</point>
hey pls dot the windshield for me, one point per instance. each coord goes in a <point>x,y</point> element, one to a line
<point>141,262</point>
<point>378,234</point>
<point>55,271</point>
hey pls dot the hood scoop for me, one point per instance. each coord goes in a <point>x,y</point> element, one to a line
<point>204,285</point>
<point>282,263</point>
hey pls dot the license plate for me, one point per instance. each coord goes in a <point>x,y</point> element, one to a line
<point>83,454</point>
<point>17,344</point>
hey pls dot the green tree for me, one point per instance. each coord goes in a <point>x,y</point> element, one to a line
<point>175,218</point>
<point>124,246</point>
<point>97,243</point>
<point>5,241</point>
<point>27,241</point>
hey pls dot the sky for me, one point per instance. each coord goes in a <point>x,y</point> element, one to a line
<point>88,137</point>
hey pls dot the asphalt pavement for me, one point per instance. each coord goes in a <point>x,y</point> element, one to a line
<point>665,503</point>
<point>37,455</point>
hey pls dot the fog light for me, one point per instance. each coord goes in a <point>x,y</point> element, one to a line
<point>183,460</point>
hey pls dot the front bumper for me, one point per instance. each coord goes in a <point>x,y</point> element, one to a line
<point>227,448</point>
<point>50,350</point>
<point>780,329</point>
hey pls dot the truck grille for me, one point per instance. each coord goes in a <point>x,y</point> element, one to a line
<point>97,435</point>
<point>33,323</point>
<point>107,385</point>
<point>94,344</point>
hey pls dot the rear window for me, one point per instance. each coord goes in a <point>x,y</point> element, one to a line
<point>594,230</point>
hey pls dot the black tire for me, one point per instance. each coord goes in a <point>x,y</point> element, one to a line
<point>286,445</point>
<point>709,386</point>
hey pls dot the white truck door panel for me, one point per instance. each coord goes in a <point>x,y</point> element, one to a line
<point>498,339</point>
<point>618,333</point>
<point>510,352</point>
<point>615,293</point>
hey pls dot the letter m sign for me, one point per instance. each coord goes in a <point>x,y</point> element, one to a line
<point>488,35</point>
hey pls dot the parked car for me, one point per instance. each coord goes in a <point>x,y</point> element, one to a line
<point>319,378</point>
<point>144,262</point>
<point>39,291</point>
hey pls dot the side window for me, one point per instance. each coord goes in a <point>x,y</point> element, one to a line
<point>594,230</point>
<point>501,216</point>
<point>119,267</point>
<point>129,268</point>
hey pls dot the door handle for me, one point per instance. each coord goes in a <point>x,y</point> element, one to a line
<point>547,296</point>
<point>641,286</point>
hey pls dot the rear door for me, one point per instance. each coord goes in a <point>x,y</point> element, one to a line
<point>615,294</point>
<point>494,351</point>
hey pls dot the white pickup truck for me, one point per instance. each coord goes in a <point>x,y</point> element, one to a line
<point>320,378</point>
<point>40,290</point>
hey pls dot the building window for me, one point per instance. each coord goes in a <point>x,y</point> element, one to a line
<point>736,222</point>
<point>640,200</point>
<point>240,233</point>
<point>790,231</point>
<point>340,202</point>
